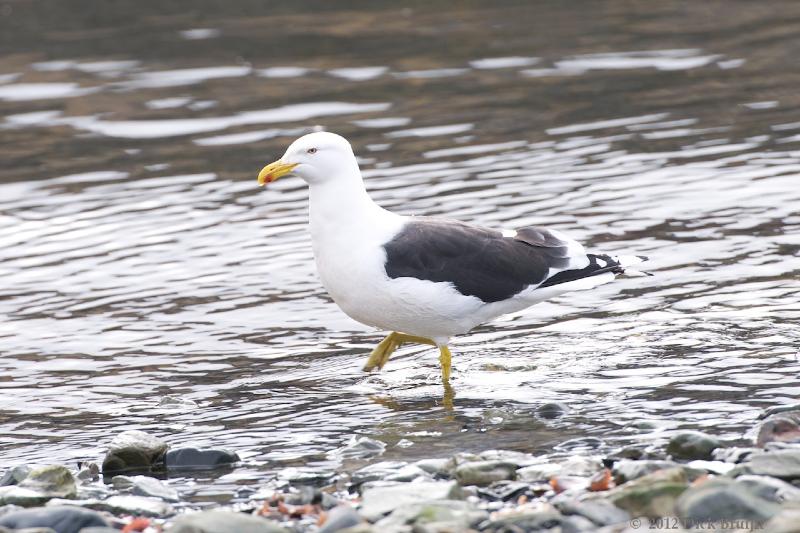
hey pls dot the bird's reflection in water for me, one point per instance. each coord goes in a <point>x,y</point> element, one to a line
<point>449,394</point>
<point>446,401</point>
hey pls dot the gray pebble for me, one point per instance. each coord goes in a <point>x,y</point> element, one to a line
<point>223,522</point>
<point>148,486</point>
<point>339,518</point>
<point>693,445</point>
<point>60,519</point>
<point>723,499</point>
<point>552,410</point>
<point>485,472</point>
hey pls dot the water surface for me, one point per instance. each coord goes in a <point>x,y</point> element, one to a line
<point>139,259</point>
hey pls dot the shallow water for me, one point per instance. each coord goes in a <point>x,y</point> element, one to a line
<point>139,259</point>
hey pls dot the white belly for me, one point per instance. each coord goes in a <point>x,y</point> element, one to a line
<point>354,274</point>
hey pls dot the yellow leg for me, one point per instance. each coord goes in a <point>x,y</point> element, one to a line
<point>444,359</point>
<point>382,351</point>
<point>448,397</point>
<point>380,355</point>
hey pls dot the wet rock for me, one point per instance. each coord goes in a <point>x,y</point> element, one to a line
<point>552,410</point>
<point>148,486</point>
<point>134,451</point>
<point>462,458</point>
<point>484,472</point>
<point>378,471</point>
<point>339,518</point>
<point>779,409</point>
<point>627,470</point>
<point>517,458</point>
<point>122,482</point>
<point>359,448</point>
<point>15,475</point>
<point>507,491</point>
<point>787,521</point>
<point>132,505</point>
<point>361,528</point>
<point>199,459</point>
<point>544,519</point>
<point>60,519</point>
<point>646,425</point>
<point>15,495</point>
<point>693,445</point>
<point>774,446</point>
<point>302,477</point>
<point>5,509</point>
<point>599,512</point>
<point>628,452</point>
<point>303,495</point>
<point>378,484</point>
<point>378,501</point>
<point>94,491</point>
<point>306,494</point>
<point>223,522</point>
<point>723,499</point>
<point>653,495</point>
<point>578,465</point>
<point>713,467</point>
<point>733,454</point>
<point>89,472</point>
<point>444,515</point>
<point>40,485</point>
<point>769,488</point>
<point>435,467</point>
<point>538,472</point>
<point>408,473</point>
<point>781,426</point>
<point>55,481</point>
<point>326,501</point>
<point>784,464</point>
<point>137,506</point>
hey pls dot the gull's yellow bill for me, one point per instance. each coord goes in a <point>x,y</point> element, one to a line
<point>274,171</point>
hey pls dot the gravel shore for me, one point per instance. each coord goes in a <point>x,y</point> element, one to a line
<point>696,482</point>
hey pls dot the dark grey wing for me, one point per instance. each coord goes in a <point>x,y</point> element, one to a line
<point>477,261</point>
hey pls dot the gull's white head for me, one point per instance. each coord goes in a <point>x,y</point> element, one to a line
<point>316,157</point>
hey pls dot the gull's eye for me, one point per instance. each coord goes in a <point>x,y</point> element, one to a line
<point>311,151</point>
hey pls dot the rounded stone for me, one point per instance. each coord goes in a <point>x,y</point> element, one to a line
<point>339,518</point>
<point>693,445</point>
<point>223,522</point>
<point>723,499</point>
<point>134,451</point>
<point>54,481</point>
<point>64,519</point>
<point>197,459</point>
<point>552,410</point>
<point>485,472</point>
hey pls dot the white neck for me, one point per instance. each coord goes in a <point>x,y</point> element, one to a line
<point>342,205</point>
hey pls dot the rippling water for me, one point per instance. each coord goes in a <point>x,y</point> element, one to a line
<point>139,259</point>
